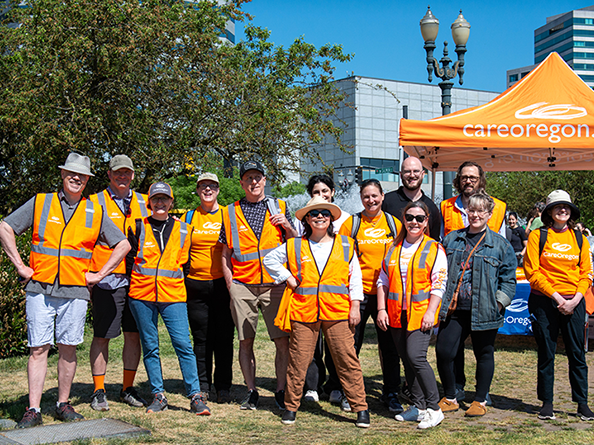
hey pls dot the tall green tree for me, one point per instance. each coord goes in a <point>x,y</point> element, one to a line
<point>153,80</point>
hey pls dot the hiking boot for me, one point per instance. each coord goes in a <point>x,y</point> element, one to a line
<point>432,418</point>
<point>223,396</point>
<point>30,418</point>
<point>251,400</point>
<point>131,397</point>
<point>311,396</point>
<point>447,406</point>
<point>335,397</point>
<point>66,412</point>
<point>412,414</point>
<point>198,405</point>
<point>158,404</point>
<point>288,417</point>
<point>476,410</point>
<point>546,412</point>
<point>584,412</point>
<point>363,419</point>
<point>279,398</point>
<point>344,404</point>
<point>393,403</point>
<point>99,401</point>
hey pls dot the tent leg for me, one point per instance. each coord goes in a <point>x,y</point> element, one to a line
<point>433,184</point>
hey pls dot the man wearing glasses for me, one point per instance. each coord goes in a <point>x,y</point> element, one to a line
<point>411,175</point>
<point>252,227</point>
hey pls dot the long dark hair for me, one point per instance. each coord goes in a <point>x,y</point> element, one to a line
<point>315,179</point>
<point>548,222</point>
<point>307,228</point>
<point>412,205</point>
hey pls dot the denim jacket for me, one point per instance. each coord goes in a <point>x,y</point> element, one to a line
<point>493,277</point>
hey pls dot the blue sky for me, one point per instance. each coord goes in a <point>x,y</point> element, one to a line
<point>386,39</point>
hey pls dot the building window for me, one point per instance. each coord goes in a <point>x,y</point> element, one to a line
<point>380,169</point>
<point>513,77</point>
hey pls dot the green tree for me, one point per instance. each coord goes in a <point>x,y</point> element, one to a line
<point>153,80</point>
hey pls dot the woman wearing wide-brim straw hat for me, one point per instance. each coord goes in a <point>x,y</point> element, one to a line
<point>559,270</point>
<point>324,274</point>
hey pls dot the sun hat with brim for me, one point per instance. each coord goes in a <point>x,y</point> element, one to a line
<point>77,164</point>
<point>317,202</point>
<point>557,197</point>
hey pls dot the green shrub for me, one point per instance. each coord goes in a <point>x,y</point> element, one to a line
<point>13,324</point>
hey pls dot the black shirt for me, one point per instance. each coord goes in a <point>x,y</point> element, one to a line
<point>465,295</point>
<point>396,201</point>
<point>518,236</point>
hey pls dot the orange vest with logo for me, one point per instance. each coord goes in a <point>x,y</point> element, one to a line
<point>63,248</point>
<point>248,251</point>
<point>138,209</point>
<point>452,217</point>
<point>322,296</point>
<point>159,276</point>
<point>418,283</point>
<point>206,252</point>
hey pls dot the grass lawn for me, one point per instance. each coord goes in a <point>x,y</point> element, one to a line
<point>512,420</point>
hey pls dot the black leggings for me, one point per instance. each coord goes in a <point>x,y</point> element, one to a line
<point>453,332</point>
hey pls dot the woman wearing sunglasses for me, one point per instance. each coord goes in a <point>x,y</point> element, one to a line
<point>481,284</point>
<point>324,273</point>
<point>409,290</point>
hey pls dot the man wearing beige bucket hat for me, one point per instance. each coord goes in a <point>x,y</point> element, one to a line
<point>66,228</point>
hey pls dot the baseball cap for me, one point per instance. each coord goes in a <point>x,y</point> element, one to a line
<point>160,188</point>
<point>120,161</point>
<point>208,177</point>
<point>251,165</point>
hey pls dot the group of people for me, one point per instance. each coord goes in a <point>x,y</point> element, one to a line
<point>401,261</point>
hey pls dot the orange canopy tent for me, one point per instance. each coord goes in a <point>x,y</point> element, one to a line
<point>543,122</point>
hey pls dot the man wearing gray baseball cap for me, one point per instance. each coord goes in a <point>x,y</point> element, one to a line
<point>66,227</point>
<point>111,311</point>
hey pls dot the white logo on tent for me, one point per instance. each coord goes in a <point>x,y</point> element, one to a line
<point>541,110</point>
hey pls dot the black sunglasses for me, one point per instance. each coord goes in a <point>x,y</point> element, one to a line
<point>419,218</point>
<point>315,213</point>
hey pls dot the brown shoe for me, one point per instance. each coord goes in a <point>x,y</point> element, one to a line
<point>448,406</point>
<point>476,410</point>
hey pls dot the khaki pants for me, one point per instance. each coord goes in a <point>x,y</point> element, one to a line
<point>342,347</point>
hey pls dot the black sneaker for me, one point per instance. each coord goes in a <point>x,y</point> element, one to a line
<point>393,403</point>
<point>363,419</point>
<point>251,400</point>
<point>30,418</point>
<point>288,417</point>
<point>66,412</point>
<point>158,404</point>
<point>131,397</point>
<point>406,395</point>
<point>279,398</point>
<point>198,405</point>
<point>584,412</point>
<point>223,396</point>
<point>546,412</point>
<point>99,401</point>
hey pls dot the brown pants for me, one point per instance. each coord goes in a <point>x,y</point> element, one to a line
<point>341,343</point>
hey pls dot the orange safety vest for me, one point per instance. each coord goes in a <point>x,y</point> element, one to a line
<point>158,276</point>
<point>322,296</point>
<point>248,251</point>
<point>452,217</point>
<point>63,248</point>
<point>138,209</point>
<point>206,252</point>
<point>418,283</point>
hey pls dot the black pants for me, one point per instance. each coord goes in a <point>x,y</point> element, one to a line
<point>316,373</point>
<point>389,354</point>
<point>452,333</point>
<point>547,321</point>
<point>211,324</point>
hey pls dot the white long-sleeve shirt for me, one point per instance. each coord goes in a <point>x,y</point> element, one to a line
<point>275,260</point>
<point>439,275</point>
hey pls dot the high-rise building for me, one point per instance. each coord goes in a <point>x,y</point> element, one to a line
<point>570,34</point>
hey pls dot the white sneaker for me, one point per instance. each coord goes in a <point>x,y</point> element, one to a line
<point>412,414</point>
<point>335,397</point>
<point>344,404</point>
<point>432,418</point>
<point>311,396</point>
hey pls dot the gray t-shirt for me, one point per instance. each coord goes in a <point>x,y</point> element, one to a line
<point>22,219</point>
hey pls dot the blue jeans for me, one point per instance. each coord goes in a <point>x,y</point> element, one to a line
<point>175,317</point>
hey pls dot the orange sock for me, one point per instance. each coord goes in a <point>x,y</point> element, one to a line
<point>129,376</point>
<point>99,381</point>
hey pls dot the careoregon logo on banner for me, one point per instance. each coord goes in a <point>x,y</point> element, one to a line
<point>542,110</point>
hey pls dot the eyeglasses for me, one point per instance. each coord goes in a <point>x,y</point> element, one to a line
<point>208,186</point>
<point>419,218</point>
<point>476,212</point>
<point>315,213</point>
<point>160,198</point>
<point>473,179</point>
<point>412,172</point>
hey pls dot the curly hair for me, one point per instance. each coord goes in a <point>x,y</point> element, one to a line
<point>482,178</point>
